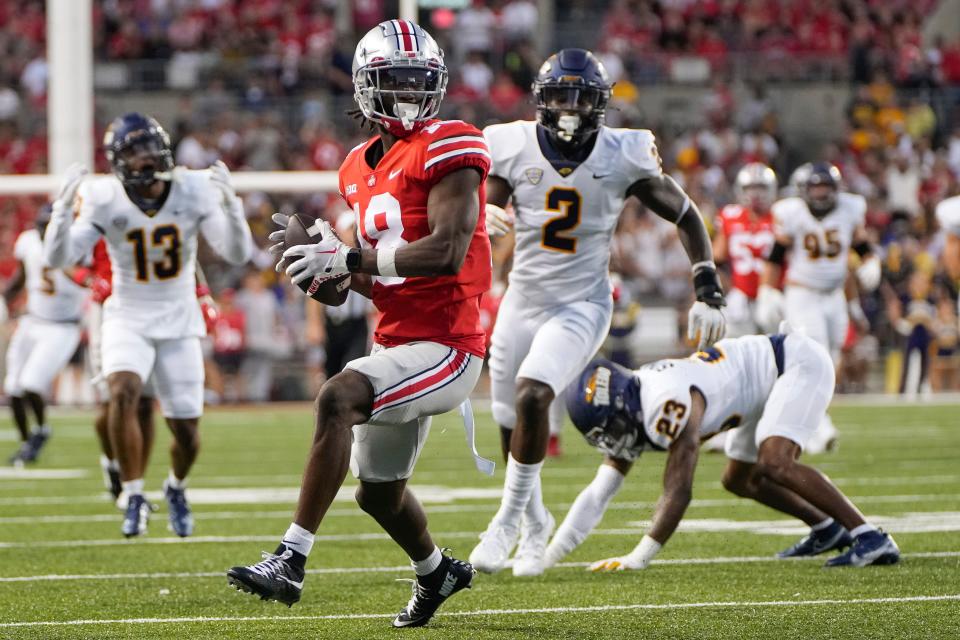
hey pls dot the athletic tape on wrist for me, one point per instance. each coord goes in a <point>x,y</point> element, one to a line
<point>386,262</point>
<point>645,551</point>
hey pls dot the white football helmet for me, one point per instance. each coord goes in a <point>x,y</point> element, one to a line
<point>756,187</point>
<point>399,78</point>
<point>798,179</point>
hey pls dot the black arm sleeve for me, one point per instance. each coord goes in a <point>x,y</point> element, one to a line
<point>777,253</point>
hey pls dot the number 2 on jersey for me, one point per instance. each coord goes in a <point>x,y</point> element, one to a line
<point>567,203</point>
<point>166,236</point>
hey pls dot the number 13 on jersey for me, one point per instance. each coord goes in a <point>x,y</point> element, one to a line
<point>567,203</point>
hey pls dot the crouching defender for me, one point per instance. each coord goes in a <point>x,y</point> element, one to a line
<point>674,405</point>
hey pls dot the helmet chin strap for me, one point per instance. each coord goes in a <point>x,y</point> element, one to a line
<point>568,125</point>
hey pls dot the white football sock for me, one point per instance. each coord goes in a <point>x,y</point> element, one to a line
<point>862,529</point>
<point>298,539</point>
<point>517,488</point>
<point>113,465</point>
<point>820,526</point>
<point>174,482</point>
<point>104,462</point>
<point>535,511</point>
<point>133,487</point>
<point>585,513</point>
<point>429,564</point>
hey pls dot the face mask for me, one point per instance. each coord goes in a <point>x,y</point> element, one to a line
<point>568,125</point>
<point>407,113</point>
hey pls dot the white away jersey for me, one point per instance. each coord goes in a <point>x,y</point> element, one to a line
<point>735,377</point>
<point>818,259</point>
<point>948,215</point>
<point>153,256</point>
<point>564,224</point>
<point>51,295</point>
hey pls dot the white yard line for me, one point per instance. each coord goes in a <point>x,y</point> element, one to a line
<point>57,577</point>
<point>499,612</point>
<point>482,507</point>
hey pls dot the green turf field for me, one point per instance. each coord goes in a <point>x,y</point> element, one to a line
<point>64,565</point>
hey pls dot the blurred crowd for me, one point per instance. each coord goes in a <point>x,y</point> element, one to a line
<point>274,82</point>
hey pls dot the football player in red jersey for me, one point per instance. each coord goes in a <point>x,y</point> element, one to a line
<point>417,189</point>
<point>744,239</point>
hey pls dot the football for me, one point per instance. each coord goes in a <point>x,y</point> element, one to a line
<point>330,291</point>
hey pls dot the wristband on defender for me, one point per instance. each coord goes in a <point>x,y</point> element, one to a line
<point>386,262</point>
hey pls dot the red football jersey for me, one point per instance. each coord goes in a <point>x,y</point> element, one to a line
<point>749,241</point>
<point>390,202</point>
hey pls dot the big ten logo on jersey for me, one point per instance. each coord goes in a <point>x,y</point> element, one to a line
<point>381,226</point>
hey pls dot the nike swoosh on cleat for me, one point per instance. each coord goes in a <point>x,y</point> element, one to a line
<point>596,177</point>
<point>298,585</point>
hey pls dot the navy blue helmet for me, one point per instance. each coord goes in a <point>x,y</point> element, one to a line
<point>138,150</point>
<point>604,405</point>
<point>572,90</point>
<point>821,201</point>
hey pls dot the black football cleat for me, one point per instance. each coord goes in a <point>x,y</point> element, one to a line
<point>181,518</point>
<point>273,578</point>
<point>816,542</point>
<point>136,516</point>
<point>431,591</point>
<point>873,547</point>
<point>33,445</point>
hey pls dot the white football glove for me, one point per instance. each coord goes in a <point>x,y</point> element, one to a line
<point>623,563</point>
<point>326,259</point>
<point>869,273</point>
<point>769,309</point>
<point>498,221</point>
<point>276,249</point>
<point>639,558</point>
<point>69,185</point>
<point>705,324</point>
<point>221,179</point>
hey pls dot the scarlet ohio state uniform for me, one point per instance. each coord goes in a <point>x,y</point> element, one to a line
<point>390,203</point>
<point>749,240</point>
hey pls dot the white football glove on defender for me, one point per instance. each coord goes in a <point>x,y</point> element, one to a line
<point>769,309</point>
<point>639,558</point>
<point>220,177</point>
<point>498,221</point>
<point>72,179</point>
<point>326,259</point>
<point>705,324</point>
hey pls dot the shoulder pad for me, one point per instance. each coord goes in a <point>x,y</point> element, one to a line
<point>854,203</point>
<point>448,145</point>
<point>638,151</point>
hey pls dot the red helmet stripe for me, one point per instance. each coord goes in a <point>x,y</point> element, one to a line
<point>406,30</point>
